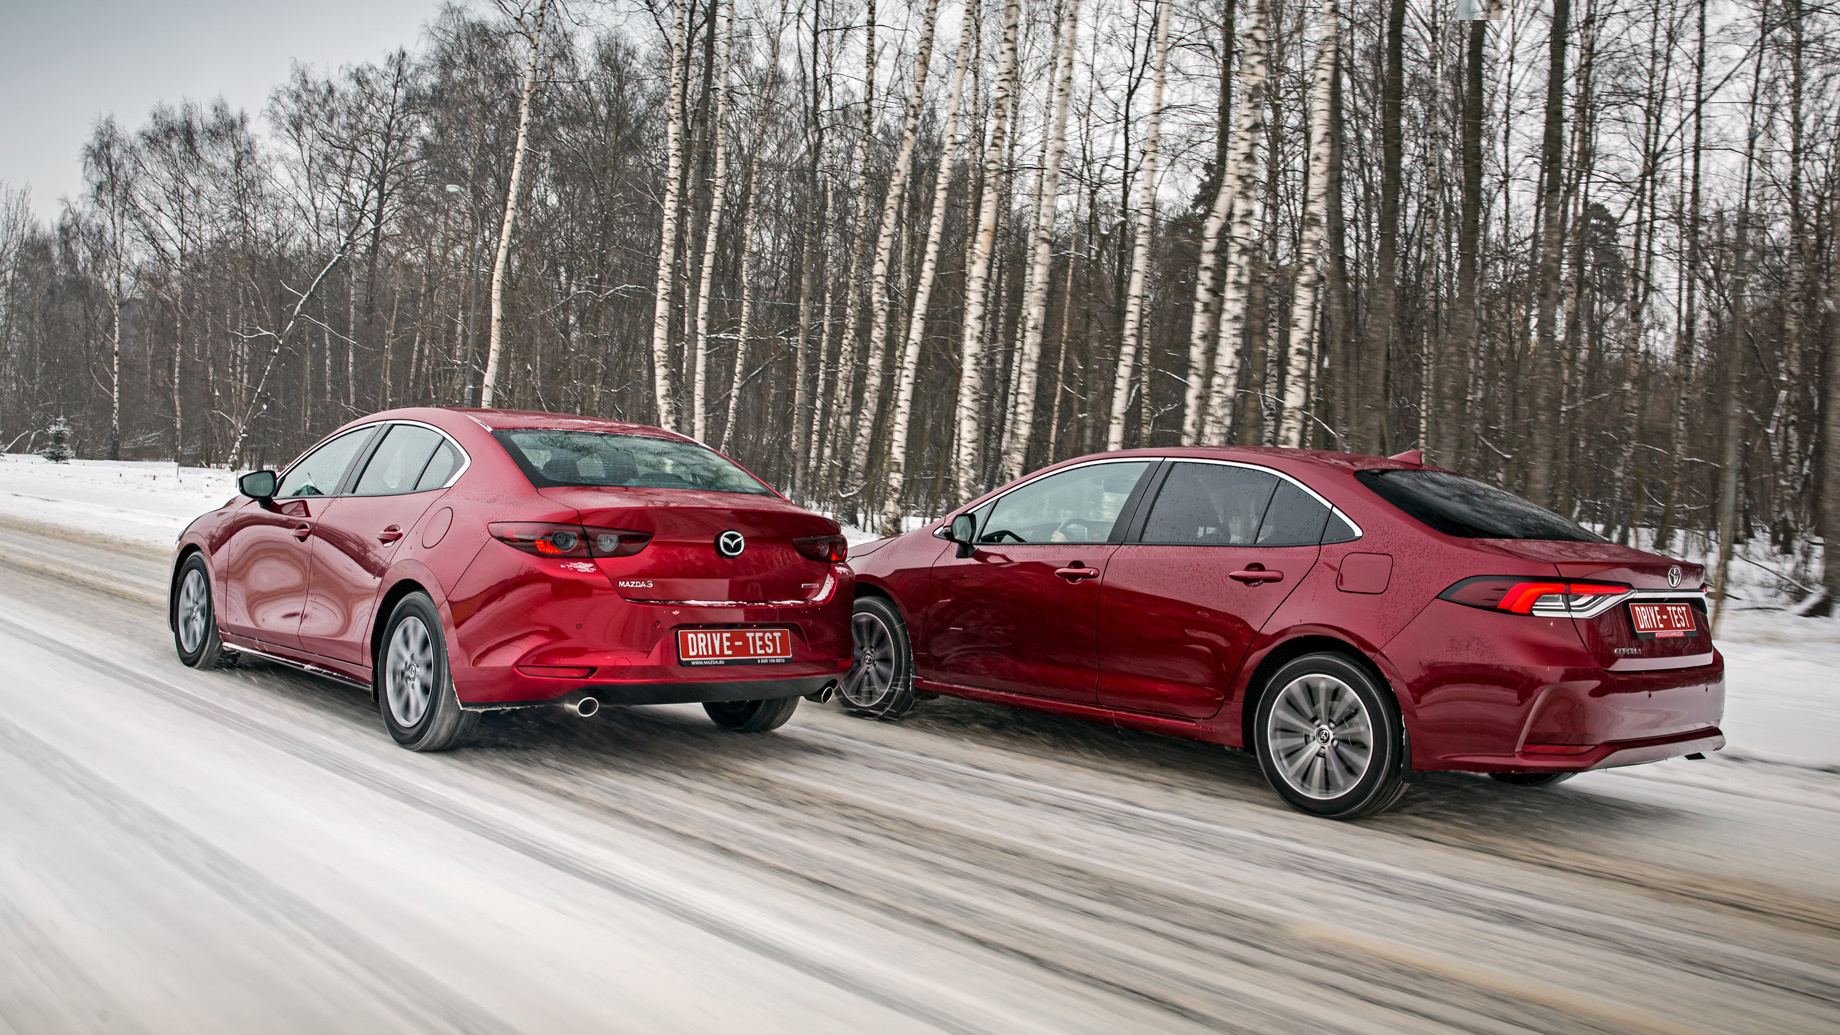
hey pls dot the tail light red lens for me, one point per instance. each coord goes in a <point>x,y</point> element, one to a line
<point>831,549</point>
<point>1521,596</point>
<point>558,540</point>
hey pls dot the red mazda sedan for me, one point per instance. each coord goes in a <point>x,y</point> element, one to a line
<point>457,561</point>
<point>1350,619</point>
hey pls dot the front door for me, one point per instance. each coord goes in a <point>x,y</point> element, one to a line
<point>1221,547</point>
<point>354,542</point>
<point>1017,614</point>
<point>265,563</point>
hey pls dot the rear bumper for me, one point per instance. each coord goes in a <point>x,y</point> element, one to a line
<point>630,694</point>
<point>1594,756</point>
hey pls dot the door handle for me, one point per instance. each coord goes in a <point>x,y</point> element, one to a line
<point>390,534</point>
<point>302,531</point>
<point>1077,571</point>
<point>1254,574</point>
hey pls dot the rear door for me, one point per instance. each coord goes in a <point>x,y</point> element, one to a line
<point>1017,614</point>
<point>354,541</point>
<point>1220,546</point>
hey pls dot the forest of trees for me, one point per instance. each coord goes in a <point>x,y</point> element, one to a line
<point>888,255</point>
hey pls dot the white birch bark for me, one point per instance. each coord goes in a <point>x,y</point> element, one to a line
<point>1130,345</point>
<point>1041,254</point>
<point>1242,173</point>
<point>858,458</point>
<point>1309,278</point>
<point>894,475</point>
<point>747,232</point>
<point>718,187</point>
<point>495,348</point>
<point>1201,323</point>
<point>668,414</point>
<point>971,386</point>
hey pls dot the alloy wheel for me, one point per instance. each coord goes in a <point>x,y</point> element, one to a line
<point>194,603</point>
<point>408,678</point>
<point>872,676</point>
<point>1321,736</point>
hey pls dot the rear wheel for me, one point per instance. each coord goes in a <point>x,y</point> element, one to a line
<point>1329,740</point>
<point>1531,779</point>
<point>415,690</point>
<point>194,617</point>
<point>752,716</point>
<point>881,683</point>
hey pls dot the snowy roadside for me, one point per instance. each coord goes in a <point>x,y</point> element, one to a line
<point>1782,671</point>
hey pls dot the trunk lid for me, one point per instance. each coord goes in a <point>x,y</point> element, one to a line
<point>1611,636</point>
<point>681,562</point>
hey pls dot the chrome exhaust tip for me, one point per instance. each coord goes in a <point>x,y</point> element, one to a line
<point>825,693</point>
<point>585,707</point>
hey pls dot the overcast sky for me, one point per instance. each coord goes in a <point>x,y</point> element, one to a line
<point>64,63</point>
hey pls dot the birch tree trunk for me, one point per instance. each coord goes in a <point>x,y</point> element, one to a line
<point>1463,318</point>
<point>747,230</point>
<point>1215,416</point>
<point>857,460</point>
<point>1129,344</point>
<point>844,373</point>
<point>971,383</point>
<point>495,346</point>
<point>894,474</point>
<point>1303,305</point>
<point>662,386</point>
<point>718,188</point>
<point>1041,254</point>
<point>1543,440</point>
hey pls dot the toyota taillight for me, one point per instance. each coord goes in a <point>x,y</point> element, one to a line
<point>1549,598</point>
<point>831,549</point>
<point>546,539</point>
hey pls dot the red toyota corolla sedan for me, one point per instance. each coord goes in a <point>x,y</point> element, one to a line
<point>1348,618</point>
<point>457,561</point>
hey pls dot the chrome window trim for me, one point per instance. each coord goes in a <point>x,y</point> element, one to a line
<point>1317,496</point>
<point>466,458</point>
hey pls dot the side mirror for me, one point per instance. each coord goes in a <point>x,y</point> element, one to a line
<point>963,532</point>
<point>258,485</point>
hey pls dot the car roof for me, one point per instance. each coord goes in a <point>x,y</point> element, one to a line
<point>498,420</point>
<point>1270,456</point>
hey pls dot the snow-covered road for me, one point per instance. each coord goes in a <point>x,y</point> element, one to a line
<point>248,851</point>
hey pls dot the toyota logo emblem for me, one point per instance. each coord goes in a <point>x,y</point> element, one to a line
<point>730,543</point>
<point>1674,577</point>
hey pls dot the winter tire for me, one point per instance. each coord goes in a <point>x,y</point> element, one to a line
<point>1531,779</point>
<point>415,690</point>
<point>1329,740</point>
<point>881,682</point>
<point>193,615</point>
<point>752,716</point>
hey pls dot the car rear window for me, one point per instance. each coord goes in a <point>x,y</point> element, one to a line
<point>598,458</point>
<point>1469,509</point>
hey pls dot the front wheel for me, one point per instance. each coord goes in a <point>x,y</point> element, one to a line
<point>415,690</point>
<point>194,617</point>
<point>1329,740</point>
<point>881,682</point>
<point>752,716</point>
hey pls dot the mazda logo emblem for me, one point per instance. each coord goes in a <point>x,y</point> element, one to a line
<point>730,544</point>
<point>1674,577</point>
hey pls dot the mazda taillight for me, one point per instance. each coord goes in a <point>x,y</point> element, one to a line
<point>1548,598</point>
<point>558,540</point>
<point>831,549</point>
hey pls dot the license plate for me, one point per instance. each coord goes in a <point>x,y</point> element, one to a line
<point>733,646</point>
<point>1663,621</point>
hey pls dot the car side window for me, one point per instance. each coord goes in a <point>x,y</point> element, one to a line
<point>1209,505</point>
<point>319,472</point>
<point>440,468</point>
<point>398,462</point>
<point>1076,506</point>
<point>1295,518</point>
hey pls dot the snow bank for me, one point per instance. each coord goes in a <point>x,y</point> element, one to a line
<point>142,502</point>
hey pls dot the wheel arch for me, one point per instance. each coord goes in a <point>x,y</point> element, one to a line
<point>1287,651</point>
